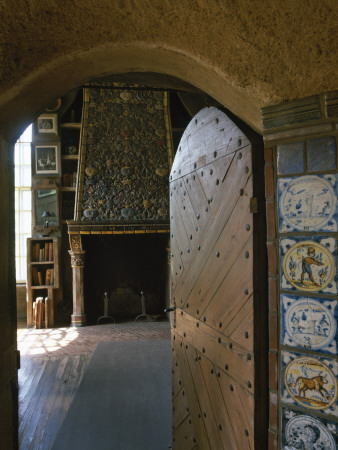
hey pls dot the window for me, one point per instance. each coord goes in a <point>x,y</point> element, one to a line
<point>23,201</point>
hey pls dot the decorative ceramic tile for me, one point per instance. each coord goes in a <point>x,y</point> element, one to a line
<point>321,154</point>
<point>308,264</point>
<point>310,382</point>
<point>301,431</point>
<point>308,203</point>
<point>290,158</point>
<point>309,323</point>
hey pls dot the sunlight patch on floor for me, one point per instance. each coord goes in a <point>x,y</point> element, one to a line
<point>40,342</point>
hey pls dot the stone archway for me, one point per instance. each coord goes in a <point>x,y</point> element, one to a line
<point>42,87</point>
<point>14,123</point>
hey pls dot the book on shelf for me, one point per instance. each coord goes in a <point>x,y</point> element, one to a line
<point>35,278</point>
<point>69,179</point>
<point>50,251</point>
<point>40,278</point>
<point>46,311</point>
<point>36,251</point>
<point>39,312</point>
<point>46,251</point>
<point>49,277</point>
<point>42,254</point>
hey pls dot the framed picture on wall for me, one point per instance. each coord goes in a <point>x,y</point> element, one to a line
<point>46,159</point>
<point>47,123</point>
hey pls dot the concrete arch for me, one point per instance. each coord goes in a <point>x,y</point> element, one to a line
<point>41,87</point>
<point>244,54</point>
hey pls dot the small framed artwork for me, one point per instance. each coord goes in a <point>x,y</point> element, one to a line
<point>47,123</point>
<point>46,159</point>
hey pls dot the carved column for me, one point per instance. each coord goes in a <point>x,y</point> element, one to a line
<point>78,318</point>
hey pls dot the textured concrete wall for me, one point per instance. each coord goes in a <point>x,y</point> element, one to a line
<point>246,54</point>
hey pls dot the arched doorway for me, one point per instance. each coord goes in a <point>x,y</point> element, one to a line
<point>6,179</point>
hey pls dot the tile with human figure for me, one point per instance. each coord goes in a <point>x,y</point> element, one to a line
<point>308,263</point>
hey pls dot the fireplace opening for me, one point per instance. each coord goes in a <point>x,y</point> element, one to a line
<point>124,266</point>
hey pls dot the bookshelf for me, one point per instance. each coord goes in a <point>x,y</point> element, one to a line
<point>70,137</point>
<point>43,280</point>
<point>70,130</point>
<point>53,191</point>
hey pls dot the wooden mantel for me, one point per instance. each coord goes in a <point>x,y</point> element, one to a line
<point>125,227</point>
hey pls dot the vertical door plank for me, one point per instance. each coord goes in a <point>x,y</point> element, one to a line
<point>238,412</point>
<point>205,403</point>
<point>180,409</point>
<point>192,396</point>
<point>238,285</point>
<point>211,374</point>
<point>184,436</point>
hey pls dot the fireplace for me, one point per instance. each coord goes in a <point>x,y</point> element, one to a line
<point>122,260</point>
<point>124,265</point>
<point>119,237</point>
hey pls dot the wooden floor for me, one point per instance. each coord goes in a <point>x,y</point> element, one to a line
<point>46,389</point>
<point>53,362</point>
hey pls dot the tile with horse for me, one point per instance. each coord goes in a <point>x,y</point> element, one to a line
<point>309,382</point>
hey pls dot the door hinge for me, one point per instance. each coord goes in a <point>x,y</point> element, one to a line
<point>253,205</point>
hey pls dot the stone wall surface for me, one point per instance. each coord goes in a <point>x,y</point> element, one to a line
<point>246,54</point>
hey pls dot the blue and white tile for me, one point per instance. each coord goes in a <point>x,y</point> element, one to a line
<point>309,323</point>
<point>290,158</point>
<point>302,431</point>
<point>308,263</point>
<point>308,203</point>
<point>309,382</point>
<point>321,154</point>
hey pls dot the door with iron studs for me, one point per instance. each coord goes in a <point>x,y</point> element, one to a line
<point>218,288</point>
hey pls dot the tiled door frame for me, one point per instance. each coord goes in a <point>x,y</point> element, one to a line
<point>301,141</point>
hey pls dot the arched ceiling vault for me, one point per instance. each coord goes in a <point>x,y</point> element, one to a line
<point>244,53</point>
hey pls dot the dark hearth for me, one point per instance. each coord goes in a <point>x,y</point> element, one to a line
<point>123,266</point>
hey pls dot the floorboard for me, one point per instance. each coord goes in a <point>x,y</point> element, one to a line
<point>47,388</point>
<point>52,369</point>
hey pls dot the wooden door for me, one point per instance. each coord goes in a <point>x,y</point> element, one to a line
<point>218,288</point>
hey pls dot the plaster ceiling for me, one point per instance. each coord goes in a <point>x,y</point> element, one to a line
<point>244,53</point>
